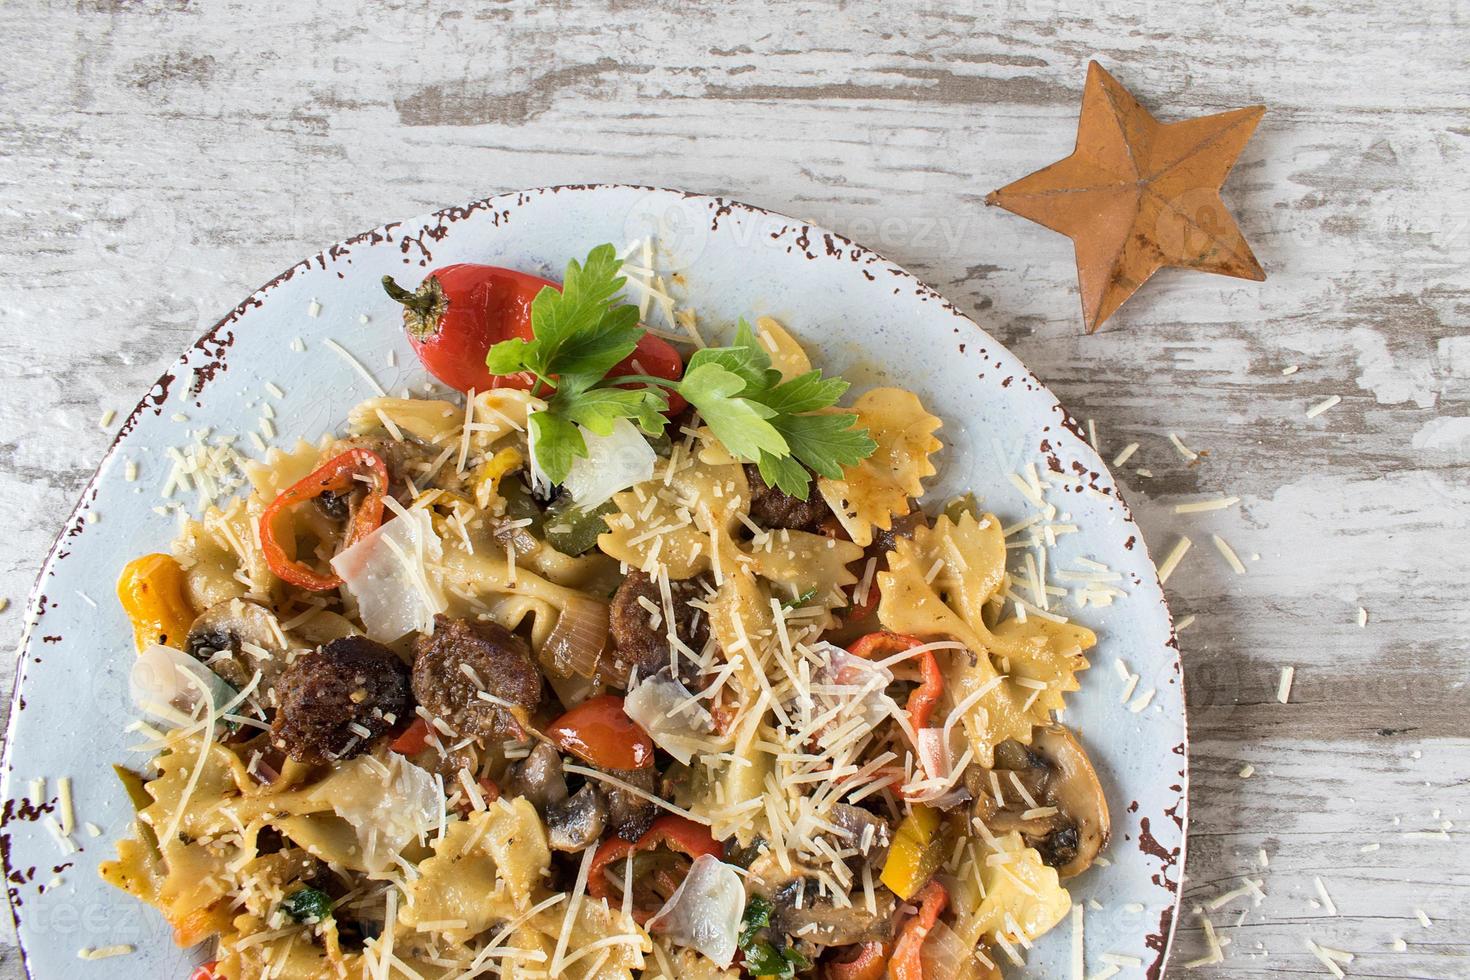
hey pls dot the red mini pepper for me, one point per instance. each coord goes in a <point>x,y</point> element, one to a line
<point>600,732</point>
<point>337,475</point>
<point>870,963</point>
<point>925,697</point>
<point>460,311</point>
<point>679,834</point>
<point>205,972</point>
<point>906,963</point>
<point>415,738</point>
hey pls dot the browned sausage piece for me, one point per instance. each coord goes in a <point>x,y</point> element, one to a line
<point>772,508</point>
<point>330,697</point>
<point>499,663</point>
<point>637,641</point>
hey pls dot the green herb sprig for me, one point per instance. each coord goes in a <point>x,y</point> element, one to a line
<point>581,332</point>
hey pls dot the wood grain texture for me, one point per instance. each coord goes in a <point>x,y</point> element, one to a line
<point>161,159</point>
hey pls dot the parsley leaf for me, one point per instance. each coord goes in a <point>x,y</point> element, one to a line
<point>825,443</point>
<point>557,442</point>
<point>577,329</point>
<point>581,332</point>
<point>740,423</point>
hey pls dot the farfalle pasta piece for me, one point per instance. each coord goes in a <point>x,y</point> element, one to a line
<point>1021,897</point>
<point>595,921</point>
<point>801,564</point>
<point>676,525</point>
<point>787,355</point>
<point>871,492</point>
<point>482,872</point>
<point>1011,702</point>
<point>428,420</point>
<point>972,561</point>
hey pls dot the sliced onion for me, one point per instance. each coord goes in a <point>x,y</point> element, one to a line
<point>387,573</point>
<point>613,462</point>
<point>704,912</point>
<point>577,640</point>
<point>946,957</point>
<point>669,713</point>
<point>170,686</point>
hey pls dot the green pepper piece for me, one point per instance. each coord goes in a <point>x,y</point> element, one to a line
<point>961,505</point>
<point>141,799</point>
<point>574,531</point>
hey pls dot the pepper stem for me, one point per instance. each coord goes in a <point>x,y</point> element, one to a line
<point>420,303</point>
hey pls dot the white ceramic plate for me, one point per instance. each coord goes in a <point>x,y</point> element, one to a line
<point>861,316</point>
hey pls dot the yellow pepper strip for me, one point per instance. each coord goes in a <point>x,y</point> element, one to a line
<point>486,479</point>
<point>917,852</point>
<point>151,591</point>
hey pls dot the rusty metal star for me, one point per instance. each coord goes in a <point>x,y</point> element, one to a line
<point>1137,195</point>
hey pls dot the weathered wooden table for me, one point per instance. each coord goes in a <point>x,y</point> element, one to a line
<point>162,158</point>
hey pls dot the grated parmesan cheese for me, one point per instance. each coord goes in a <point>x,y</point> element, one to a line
<point>1323,406</point>
<point>1172,561</point>
<point>1283,687</point>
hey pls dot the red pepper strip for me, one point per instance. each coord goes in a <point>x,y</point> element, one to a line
<point>906,964</point>
<point>337,475</point>
<point>924,697</point>
<point>415,738</point>
<point>600,732</point>
<point>859,613</point>
<point>489,789</point>
<point>678,834</point>
<point>870,963</point>
<point>205,972</point>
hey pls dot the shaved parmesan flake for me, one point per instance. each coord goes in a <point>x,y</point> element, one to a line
<point>1290,369</point>
<point>705,910</point>
<point>1247,771</point>
<point>313,309</point>
<point>1423,918</point>
<point>106,418</point>
<point>1362,617</point>
<point>1184,623</point>
<point>672,717</point>
<point>613,462</point>
<point>1323,406</point>
<point>387,573</point>
<point>1189,454</point>
<point>1283,687</point>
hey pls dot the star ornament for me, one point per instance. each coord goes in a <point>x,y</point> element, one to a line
<point>1137,195</point>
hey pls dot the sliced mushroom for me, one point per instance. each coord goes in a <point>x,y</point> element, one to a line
<point>539,778</point>
<point>630,814</point>
<point>855,822</point>
<point>576,823</point>
<point>235,638</point>
<point>1055,771</point>
<point>801,912</point>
